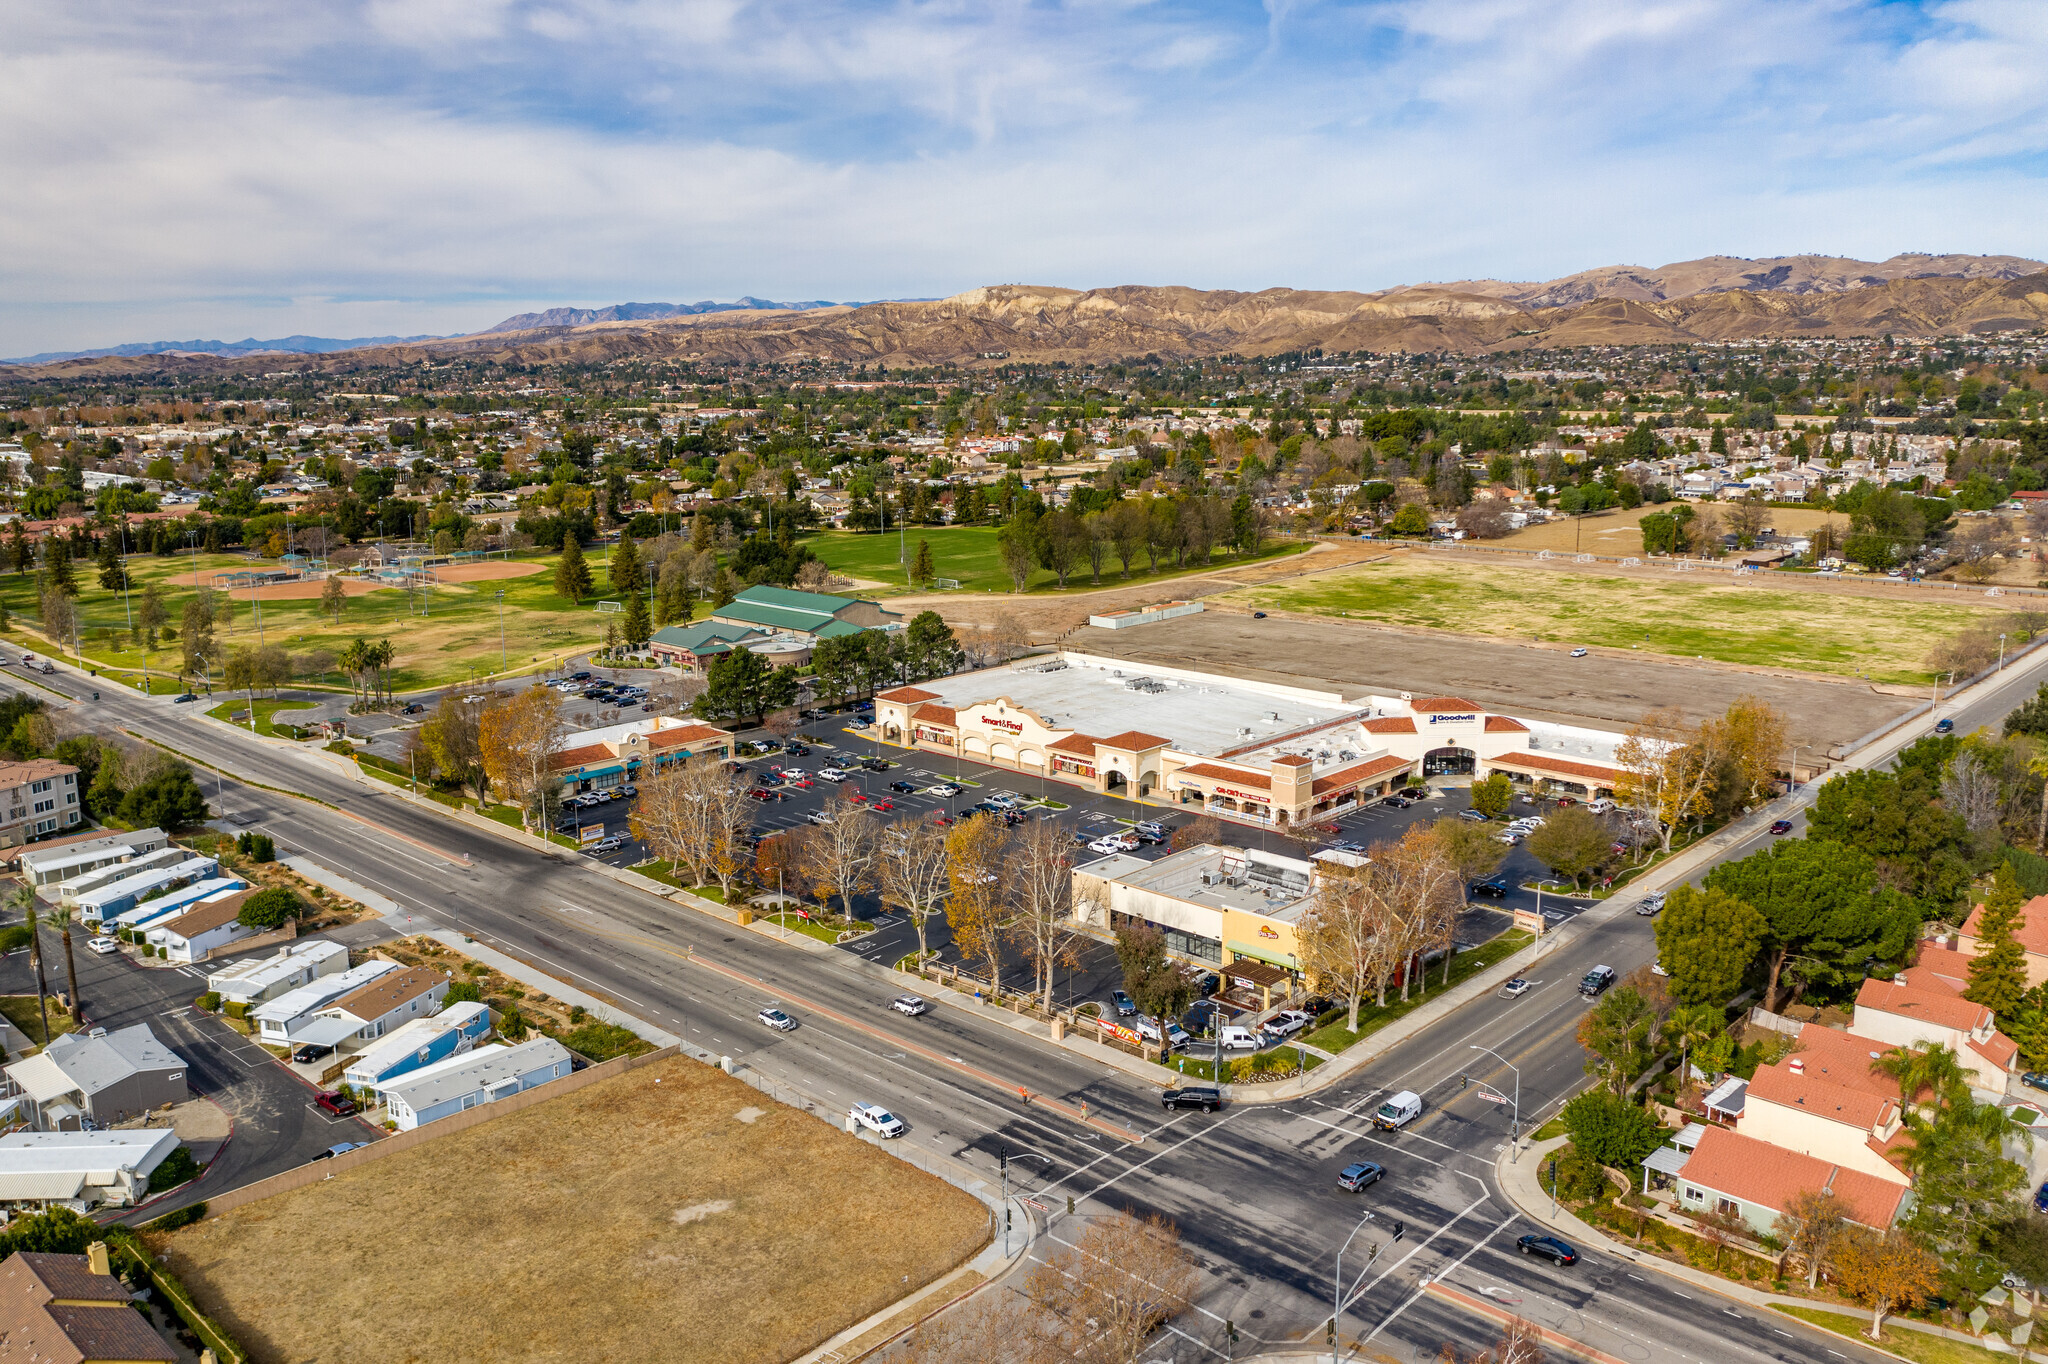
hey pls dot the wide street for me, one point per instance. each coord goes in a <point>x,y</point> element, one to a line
<point>1251,1188</point>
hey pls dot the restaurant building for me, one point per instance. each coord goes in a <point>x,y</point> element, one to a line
<point>597,759</point>
<point>1261,752</point>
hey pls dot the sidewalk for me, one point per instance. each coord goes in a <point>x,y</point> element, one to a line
<point>1522,1183</point>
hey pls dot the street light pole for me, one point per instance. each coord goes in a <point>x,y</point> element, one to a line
<point>1337,1283</point>
<point>1515,1129</point>
<point>2001,653</point>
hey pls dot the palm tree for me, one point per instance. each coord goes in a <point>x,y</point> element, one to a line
<point>1688,1027</point>
<point>1934,1069</point>
<point>23,898</point>
<point>61,917</point>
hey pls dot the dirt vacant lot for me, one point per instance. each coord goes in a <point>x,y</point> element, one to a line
<point>670,1213</point>
<point>1610,689</point>
<point>1620,531</point>
<point>1714,616</point>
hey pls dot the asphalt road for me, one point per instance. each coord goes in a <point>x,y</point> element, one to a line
<point>1251,1188</point>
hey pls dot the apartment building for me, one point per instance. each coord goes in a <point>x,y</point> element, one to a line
<point>37,799</point>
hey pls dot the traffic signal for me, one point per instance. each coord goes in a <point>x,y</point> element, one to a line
<point>1464,1081</point>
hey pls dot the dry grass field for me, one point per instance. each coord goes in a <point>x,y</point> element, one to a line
<point>1710,616</point>
<point>671,1213</point>
<point>1620,532</point>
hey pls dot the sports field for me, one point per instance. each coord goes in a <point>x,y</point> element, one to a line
<point>1697,615</point>
<point>671,1213</point>
<point>443,637</point>
<point>969,554</point>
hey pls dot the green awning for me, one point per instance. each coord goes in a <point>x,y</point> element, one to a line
<point>1265,955</point>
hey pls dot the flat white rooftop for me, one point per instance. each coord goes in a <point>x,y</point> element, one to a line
<point>1244,879</point>
<point>1194,712</point>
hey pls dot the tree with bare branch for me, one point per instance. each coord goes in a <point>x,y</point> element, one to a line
<point>1116,1284</point>
<point>913,873</point>
<point>1040,879</point>
<point>838,857</point>
<point>1520,1342</point>
<point>1669,769</point>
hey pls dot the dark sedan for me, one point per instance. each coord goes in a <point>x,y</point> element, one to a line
<point>1549,1247</point>
<point>1781,826</point>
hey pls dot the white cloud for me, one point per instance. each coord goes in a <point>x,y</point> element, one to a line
<point>452,163</point>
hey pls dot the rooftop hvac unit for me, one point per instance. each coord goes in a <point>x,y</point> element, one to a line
<point>1345,755</point>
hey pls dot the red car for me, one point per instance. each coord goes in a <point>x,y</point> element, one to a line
<point>1781,826</point>
<point>1563,801</point>
<point>941,818</point>
<point>1330,828</point>
<point>883,806</point>
<point>335,1102</point>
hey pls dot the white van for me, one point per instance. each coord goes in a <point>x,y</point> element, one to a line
<point>1398,1111</point>
<point>1235,1038</point>
<point>1601,806</point>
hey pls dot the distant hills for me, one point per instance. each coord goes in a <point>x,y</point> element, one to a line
<point>297,345</point>
<point>1719,298</point>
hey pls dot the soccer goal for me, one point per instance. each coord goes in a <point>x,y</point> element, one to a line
<point>610,606</point>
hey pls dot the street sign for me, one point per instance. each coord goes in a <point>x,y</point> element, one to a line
<point>1489,1096</point>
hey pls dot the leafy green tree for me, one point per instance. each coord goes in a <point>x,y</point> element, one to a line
<point>1708,940</point>
<point>740,684</point>
<point>930,646</point>
<point>113,574</point>
<point>1998,973</point>
<point>59,1231</point>
<point>1492,796</point>
<point>1619,1037</point>
<point>2031,716</point>
<point>57,572</point>
<point>168,800</point>
<point>463,992</point>
<point>1410,520</point>
<point>1964,1182</point>
<point>268,908</point>
<point>1571,842</point>
<point>1610,1129</point>
<point>572,572</point>
<point>922,569</point>
<point>1827,906</point>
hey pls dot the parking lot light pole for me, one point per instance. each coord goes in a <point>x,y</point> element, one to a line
<point>1515,1128</point>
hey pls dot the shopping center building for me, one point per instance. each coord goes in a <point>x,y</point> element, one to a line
<point>1261,752</point>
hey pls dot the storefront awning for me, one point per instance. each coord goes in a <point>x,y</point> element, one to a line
<point>1264,954</point>
<point>589,772</point>
<point>1253,974</point>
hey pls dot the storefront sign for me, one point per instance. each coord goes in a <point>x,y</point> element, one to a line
<point>1242,795</point>
<point>933,736</point>
<point>1266,931</point>
<point>1010,725</point>
<point>1452,719</point>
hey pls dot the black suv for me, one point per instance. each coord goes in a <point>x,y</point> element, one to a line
<point>1596,981</point>
<point>1192,1096</point>
<point>1496,887</point>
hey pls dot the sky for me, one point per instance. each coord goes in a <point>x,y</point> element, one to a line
<point>226,168</point>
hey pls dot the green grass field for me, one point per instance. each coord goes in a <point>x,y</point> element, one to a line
<point>455,638</point>
<point>1918,1346</point>
<point>968,553</point>
<point>1697,615</point>
<point>237,713</point>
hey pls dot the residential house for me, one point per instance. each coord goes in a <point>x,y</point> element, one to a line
<point>172,901</point>
<point>80,1170</point>
<point>1753,1180</point>
<point>113,898</point>
<point>1925,1011</point>
<point>77,884</point>
<point>2031,934</point>
<point>37,799</point>
<point>1827,1100</point>
<point>98,1079</point>
<point>48,865</point>
<point>71,1309</point>
<point>253,980</point>
<point>280,1021</point>
<point>483,1076</point>
<point>598,759</point>
<point>420,1043</point>
<point>207,927</point>
<point>391,1000</point>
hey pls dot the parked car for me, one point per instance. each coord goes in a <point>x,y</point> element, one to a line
<point>341,1148</point>
<point>909,1005</point>
<point>1509,836</point>
<point>876,764</point>
<point>1496,886</point>
<point>1125,1005</point>
<point>1472,815</point>
<point>817,817</point>
<point>1192,1096</point>
<point>309,1052</point>
<point>335,1102</point>
<point>1397,802</point>
<point>797,750</point>
<point>1289,1022</point>
<point>902,788</point>
<point>1149,829</point>
<point>1356,1176</point>
<point>1175,1035</point>
<point>777,1020</point>
<point>1237,1038</point>
<point>1105,846</point>
<point>1596,982</point>
<point>103,945</point>
<point>878,1120</point>
<point>2035,1079</point>
<point>858,723</point>
<point>944,788</point>
<point>1548,1246</point>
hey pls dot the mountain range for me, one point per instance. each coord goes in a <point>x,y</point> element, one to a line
<point>293,345</point>
<point>1719,298</point>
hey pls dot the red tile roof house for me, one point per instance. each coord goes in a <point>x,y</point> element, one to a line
<point>1920,1007</point>
<point>1827,1101</point>
<point>2032,934</point>
<point>71,1309</point>
<point>1753,1180</point>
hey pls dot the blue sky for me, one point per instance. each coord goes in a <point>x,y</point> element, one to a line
<point>263,167</point>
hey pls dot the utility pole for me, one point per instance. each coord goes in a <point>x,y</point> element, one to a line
<point>503,664</point>
<point>1515,1129</point>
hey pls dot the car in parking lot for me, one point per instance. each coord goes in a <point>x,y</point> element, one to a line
<point>309,1052</point>
<point>1397,802</point>
<point>903,788</point>
<point>777,1020</point>
<point>1125,1005</point>
<point>817,817</point>
<point>1343,845</point>
<point>605,846</point>
<point>335,1102</point>
<point>341,1148</point>
<point>944,788</point>
<point>103,945</point>
<point>1781,826</point>
<point>1549,1247</point>
<point>1496,886</point>
<point>858,723</point>
<point>1472,815</point>
<point>1357,1175</point>
<point>1289,1022</point>
<point>797,750</point>
<point>1174,1034</point>
<point>1511,837</point>
<point>1106,846</point>
<point>876,764</point>
<point>878,1120</point>
<point>1192,1096</point>
<point>1146,828</point>
<point>909,1005</point>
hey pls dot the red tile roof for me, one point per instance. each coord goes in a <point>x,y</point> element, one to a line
<point>1937,1007</point>
<point>577,757</point>
<point>1293,760</point>
<point>1939,968</point>
<point>1441,705</point>
<point>907,694</point>
<point>2032,932</point>
<point>1542,763</point>
<point>1504,724</point>
<point>685,734</point>
<point>1392,724</point>
<point>1843,1058</point>
<point>1133,741</point>
<point>1767,1176</point>
<point>938,715</point>
<point>1821,1094</point>
<point>1999,1051</point>
<point>1362,772</point>
<point>1082,744</point>
<point>1209,772</point>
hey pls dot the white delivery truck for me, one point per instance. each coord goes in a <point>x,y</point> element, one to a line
<point>1398,1111</point>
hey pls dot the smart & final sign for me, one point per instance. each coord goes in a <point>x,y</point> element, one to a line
<point>1010,725</point>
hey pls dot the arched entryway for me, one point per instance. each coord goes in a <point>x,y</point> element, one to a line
<point>1440,762</point>
<point>1112,780</point>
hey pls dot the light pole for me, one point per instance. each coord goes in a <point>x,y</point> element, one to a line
<point>503,664</point>
<point>1795,767</point>
<point>1515,1129</point>
<point>1337,1283</point>
<point>2001,653</point>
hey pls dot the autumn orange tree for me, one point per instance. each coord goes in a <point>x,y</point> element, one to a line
<point>1886,1272</point>
<point>976,908</point>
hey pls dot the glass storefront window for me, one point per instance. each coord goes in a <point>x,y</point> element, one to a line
<point>1193,945</point>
